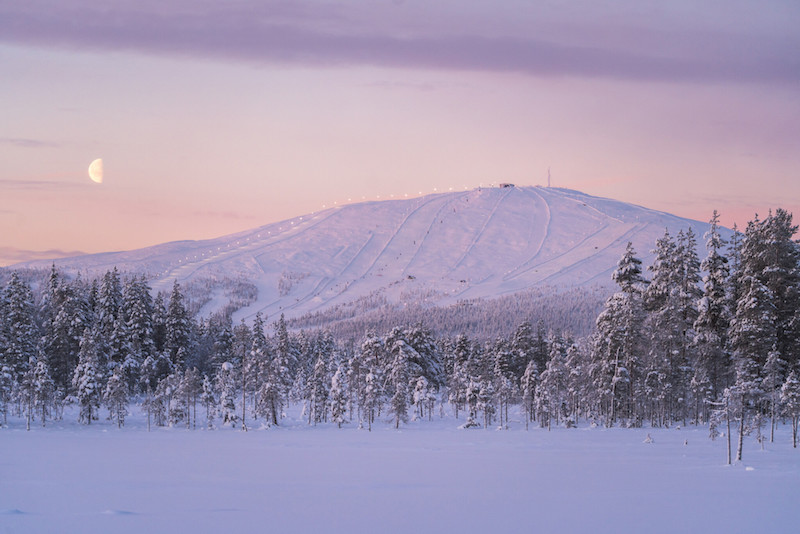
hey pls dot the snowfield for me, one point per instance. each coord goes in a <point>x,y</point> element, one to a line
<point>425,477</point>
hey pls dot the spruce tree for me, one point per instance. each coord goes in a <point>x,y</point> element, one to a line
<point>226,388</point>
<point>790,401</point>
<point>84,381</point>
<point>43,389</point>
<point>116,397</point>
<point>338,397</point>
<point>18,329</point>
<point>713,319</point>
<point>618,344</point>
<point>177,327</point>
<point>398,379</point>
<point>209,400</point>
<point>528,386</point>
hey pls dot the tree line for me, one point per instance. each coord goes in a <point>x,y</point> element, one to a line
<point>707,342</point>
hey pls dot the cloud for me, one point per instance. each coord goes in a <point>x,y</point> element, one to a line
<point>36,184</point>
<point>312,33</point>
<point>11,255</point>
<point>27,143</point>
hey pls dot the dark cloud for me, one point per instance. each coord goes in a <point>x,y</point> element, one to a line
<point>328,35</point>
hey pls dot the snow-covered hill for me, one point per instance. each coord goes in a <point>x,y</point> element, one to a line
<point>438,249</point>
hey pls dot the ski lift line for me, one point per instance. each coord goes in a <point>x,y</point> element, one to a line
<point>232,253</point>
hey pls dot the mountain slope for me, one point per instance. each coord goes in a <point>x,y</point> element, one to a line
<point>437,249</point>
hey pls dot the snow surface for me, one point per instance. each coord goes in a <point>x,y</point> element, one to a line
<point>426,477</point>
<point>437,249</point>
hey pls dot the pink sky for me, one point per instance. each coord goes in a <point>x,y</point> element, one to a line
<point>213,118</point>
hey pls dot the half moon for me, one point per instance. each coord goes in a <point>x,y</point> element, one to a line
<point>96,171</point>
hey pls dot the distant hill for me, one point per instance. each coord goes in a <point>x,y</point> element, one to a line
<point>435,250</point>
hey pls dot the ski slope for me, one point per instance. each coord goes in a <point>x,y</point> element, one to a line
<point>443,247</point>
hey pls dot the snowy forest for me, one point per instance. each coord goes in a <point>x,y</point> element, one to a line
<point>710,342</point>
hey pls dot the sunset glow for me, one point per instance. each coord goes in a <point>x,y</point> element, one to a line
<point>236,116</point>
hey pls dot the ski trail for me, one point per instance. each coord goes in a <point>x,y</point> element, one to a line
<point>523,267</point>
<point>424,240</point>
<point>481,231</point>
<point>324,283</point>
<point>624,238</point>
<point>526,267</point>
<point>585,203</point>
<point>396,233</point>
<point>185,270</point>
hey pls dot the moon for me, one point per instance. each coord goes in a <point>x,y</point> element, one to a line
<point>96,171</point>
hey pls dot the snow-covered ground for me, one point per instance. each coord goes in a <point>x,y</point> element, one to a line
<point>426,477</point>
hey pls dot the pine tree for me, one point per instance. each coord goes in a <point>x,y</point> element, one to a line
<point>255,368</point>
<point>209,400</point>
<point>504,379</point>
<point>138,316</point>
<point>177,327</point>
<point>398,378</point>
<point>116,397</point>
<point>189,388</point>
<point>778,266</point>
<point>420,397</point>
<point>576,383</point>
<point>284,362</point>
<point>552,384</point>
<point>790,402</point>
<point>84,380</point>
<point>6,389</point>
<point>774,371</point>
<point>459,379</point>
<point>338,396</point>
<point>27,392</point>
<point>226,386</point>
<point>713,319</point>
<point>318,389</point>
<point>18,330</point>
<point>43,388</point>
<point>68,317</point>
<point>752,336</point>
<point>618,344</point>
<point>522,348</point>
<point>528,386</point>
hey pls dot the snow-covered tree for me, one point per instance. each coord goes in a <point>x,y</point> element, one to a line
<point>618,345</point>
<point>398,378</point>
<point>226,386</point>
<point>44,389</point>
<point>209,400</point>
<point>790,402</point>
<point>116,397</point>
<point>528,384</point>
<point>177,327</point>
<point>84,380</point>
<point>338,397</point>
<point>18,332</point>
<point>711,325</point>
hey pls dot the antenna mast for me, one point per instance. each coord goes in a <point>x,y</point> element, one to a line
<point>548,176</point>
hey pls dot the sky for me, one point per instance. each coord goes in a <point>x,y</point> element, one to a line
<point>216,117</point>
